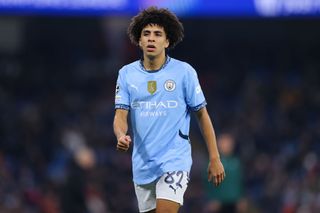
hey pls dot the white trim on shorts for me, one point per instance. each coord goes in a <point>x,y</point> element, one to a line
<point>170,186</point>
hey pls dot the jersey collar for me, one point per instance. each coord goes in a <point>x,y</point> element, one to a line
<point>152,71</point>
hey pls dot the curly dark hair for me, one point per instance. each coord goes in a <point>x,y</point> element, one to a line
<point>162,17</point>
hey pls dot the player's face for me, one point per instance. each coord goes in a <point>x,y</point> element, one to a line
<point>153,41</point>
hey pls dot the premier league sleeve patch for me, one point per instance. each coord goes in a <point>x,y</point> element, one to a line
<point>117,96</point>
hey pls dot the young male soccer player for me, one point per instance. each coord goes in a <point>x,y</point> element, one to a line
<point>159,92</point>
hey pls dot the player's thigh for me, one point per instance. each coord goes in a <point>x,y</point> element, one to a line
<point>167,206</point>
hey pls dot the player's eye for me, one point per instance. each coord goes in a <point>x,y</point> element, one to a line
<point>146,33</point>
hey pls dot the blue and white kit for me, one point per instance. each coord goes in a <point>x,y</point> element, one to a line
<point>159,103</point>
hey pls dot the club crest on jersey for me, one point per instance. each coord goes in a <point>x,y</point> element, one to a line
<point>152,87</point>
<point>170,85</point>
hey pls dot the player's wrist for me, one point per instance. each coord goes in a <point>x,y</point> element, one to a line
<point>215,159</point>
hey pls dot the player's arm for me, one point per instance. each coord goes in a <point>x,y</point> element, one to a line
<point>216,172</point>
<point>120,128</point>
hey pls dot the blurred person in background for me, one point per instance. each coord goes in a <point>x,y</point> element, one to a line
<point>73,193</point>
<point>160,92</point>
<point>227,198</point>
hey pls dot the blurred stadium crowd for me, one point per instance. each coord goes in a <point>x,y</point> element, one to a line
<point>57,148</point>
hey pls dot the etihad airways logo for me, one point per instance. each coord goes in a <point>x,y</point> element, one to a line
<point>170,104</point>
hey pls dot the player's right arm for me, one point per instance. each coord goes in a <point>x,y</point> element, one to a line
<point>120,128</point>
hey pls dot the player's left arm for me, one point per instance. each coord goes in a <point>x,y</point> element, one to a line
<point>216,172</point>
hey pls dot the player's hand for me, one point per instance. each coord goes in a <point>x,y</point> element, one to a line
<point>124,143</point>
<point>216,172</point>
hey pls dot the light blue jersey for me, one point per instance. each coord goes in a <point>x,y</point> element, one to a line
<point>159,103</point>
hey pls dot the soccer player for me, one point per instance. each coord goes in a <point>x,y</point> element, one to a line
<point>159,93</point>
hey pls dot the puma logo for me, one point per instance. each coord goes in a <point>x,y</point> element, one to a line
<point>134,86</point>
<point>175,190</point>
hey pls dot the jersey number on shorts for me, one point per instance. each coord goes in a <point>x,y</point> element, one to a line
<point>170,179</point>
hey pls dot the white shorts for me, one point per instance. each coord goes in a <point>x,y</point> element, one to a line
<point>170,186</point>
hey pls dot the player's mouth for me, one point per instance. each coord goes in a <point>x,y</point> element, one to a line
<point>151,48</point>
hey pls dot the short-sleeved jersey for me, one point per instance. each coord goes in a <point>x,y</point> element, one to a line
<point>159,105</point>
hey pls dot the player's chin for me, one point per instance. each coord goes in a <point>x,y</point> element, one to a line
<point>151,55</point>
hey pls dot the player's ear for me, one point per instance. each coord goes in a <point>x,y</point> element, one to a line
<point>139,43</point>
<point>167,43</point>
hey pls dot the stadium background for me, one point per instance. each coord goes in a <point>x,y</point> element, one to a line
<point>260,72</point>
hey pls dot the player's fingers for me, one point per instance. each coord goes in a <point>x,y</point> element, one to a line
<point>124,139</point>
<point>223,175</point>
<point>122,148</point>
<point>123,143</point>
<point>220,178</point>
<point>209,176</point>
<point>216,180</point>
<point>128,138</point>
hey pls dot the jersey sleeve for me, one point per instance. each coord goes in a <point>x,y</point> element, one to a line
<point>194,96</point>
<point>122,98</point>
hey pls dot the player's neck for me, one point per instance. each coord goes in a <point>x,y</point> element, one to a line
<point>154,63</point>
